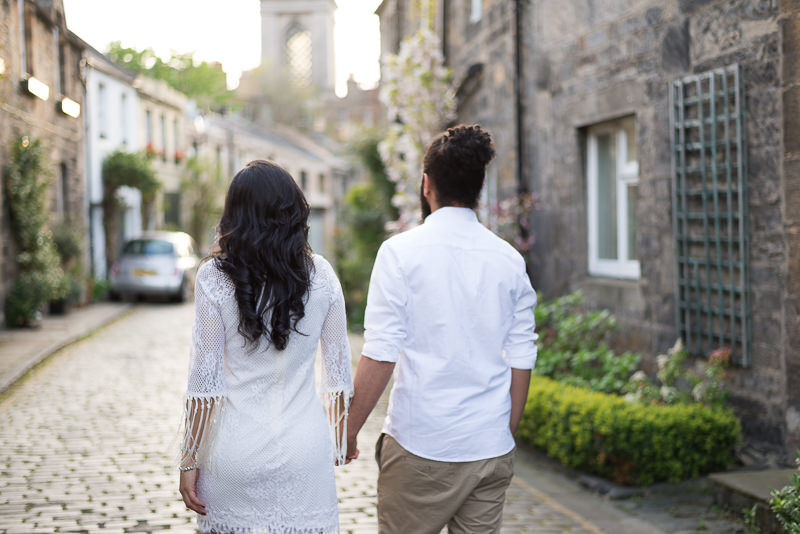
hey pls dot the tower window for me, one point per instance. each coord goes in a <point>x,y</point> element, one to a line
<point>298,56</point>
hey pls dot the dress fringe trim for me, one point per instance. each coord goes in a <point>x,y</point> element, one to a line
<point>337,405</point>
<point>201,414</point>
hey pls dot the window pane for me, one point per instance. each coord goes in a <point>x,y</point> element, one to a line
<point>606,198</point>
<point>298,52</point>
<point>633,252</point>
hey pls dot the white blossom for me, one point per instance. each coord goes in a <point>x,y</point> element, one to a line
<point>639,376</point>
<point>420,101</point>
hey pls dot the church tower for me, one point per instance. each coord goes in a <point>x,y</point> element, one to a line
<point>297,37</point>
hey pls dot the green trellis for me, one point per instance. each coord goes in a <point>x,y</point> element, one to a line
<point>709,212</point>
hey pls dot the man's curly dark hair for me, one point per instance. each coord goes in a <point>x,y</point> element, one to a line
<point>456,161</point>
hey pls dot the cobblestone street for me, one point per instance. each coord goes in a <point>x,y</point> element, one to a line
<point>87,442</point>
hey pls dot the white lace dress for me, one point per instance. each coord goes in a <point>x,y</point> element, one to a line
<point>265,439</point>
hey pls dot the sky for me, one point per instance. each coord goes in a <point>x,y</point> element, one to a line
<point>228,32</point>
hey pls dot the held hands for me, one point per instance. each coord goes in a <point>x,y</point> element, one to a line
<point>352,449</point>
<point>188,488</point>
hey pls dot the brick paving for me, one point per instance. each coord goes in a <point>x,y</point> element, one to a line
<point>22,349</point>
<point>87,442</point>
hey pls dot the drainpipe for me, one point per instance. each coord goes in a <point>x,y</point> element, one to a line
<point>519,107</point>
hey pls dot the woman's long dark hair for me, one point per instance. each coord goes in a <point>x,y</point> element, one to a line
<point>262,244</point>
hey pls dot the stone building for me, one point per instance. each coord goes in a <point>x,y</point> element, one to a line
<point>41,95</point>
<point>291,102</point>
<point>297,35</point>
<point>662,138</point>
<point>359,110</point>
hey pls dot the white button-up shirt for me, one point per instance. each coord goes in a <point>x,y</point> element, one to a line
<point>452,305</point>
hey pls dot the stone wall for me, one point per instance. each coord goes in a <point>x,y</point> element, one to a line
<point>21,113</point>
<point>481,56</point>
<point>790,28</point>
<point>592,60</point>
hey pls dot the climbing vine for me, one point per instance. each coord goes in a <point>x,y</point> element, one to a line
<point>40,276</point>
<point>129,169</point>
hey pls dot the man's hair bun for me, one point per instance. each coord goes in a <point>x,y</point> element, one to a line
<point>456,161</point>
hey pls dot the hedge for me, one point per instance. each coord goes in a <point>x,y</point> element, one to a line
<point>630,443</point>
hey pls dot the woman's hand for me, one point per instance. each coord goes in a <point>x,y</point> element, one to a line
<point>188,488</point>
<point>352,449</point>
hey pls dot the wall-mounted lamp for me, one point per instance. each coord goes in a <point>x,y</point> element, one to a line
<point>70,107</point>
<point>36,87</point>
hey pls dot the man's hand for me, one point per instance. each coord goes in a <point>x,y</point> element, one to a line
<point>520,381</point>
<point>188,487</point>
<point>370,381</point>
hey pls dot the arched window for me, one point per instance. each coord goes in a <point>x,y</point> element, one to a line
<point>298,55</point>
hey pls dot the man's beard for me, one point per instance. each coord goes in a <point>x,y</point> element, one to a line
<point>423,202</point>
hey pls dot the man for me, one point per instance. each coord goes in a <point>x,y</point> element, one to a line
<point>450,313</point>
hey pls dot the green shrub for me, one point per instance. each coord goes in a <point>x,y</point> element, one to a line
<point>41,277</point>
<point>68,243</point>
<point>29,292</point>
<point>69,246</point>
<point>572,346</point>
<point>628,442</point>
<point>785,503</point>
<point>99,289</point>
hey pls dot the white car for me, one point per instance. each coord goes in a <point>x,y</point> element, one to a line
<point>155,263</point>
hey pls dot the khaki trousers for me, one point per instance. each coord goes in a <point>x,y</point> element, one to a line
<point>420,496</point>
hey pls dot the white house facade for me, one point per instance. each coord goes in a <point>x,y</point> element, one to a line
<point>111,121</point>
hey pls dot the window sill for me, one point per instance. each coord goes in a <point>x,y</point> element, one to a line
<point>622,296</point>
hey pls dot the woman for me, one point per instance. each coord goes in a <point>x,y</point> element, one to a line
<point>258,447</point>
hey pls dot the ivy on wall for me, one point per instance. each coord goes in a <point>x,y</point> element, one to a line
<point>130,169</point>
<point>40,276</point>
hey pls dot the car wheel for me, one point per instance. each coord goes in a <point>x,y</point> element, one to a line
<point>113,296</point>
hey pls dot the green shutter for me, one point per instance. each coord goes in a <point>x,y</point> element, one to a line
<point>709,211</point>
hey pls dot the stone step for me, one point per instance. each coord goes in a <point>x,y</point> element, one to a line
<point>738,491</point>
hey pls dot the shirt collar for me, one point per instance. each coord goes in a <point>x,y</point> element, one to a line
<point>452,214</point>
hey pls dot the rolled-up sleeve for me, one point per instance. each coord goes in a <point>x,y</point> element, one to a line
<point>384,319</point>
<point>520,346</point>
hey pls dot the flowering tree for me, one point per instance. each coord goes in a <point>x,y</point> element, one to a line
<point>420,100</point>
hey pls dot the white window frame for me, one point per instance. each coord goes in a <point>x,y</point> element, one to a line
<point>23,45</point>
<point>475,10</point>
<point>627,173</point>
<point>488,198</point>
<point>102,110</point>
<point>123,107</point>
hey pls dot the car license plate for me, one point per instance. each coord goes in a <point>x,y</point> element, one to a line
<point>144,272</point>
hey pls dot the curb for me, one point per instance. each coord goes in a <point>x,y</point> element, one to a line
<point>8,381</point>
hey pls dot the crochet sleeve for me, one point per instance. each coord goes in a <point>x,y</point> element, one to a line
<point>336,384</point>
<point>206,385</point>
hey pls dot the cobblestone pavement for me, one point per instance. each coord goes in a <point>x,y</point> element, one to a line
<point>87,442</point>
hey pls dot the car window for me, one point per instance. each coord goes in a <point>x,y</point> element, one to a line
<point>149,247</point>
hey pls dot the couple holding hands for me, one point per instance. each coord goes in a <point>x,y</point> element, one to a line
<point>449,315</point>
